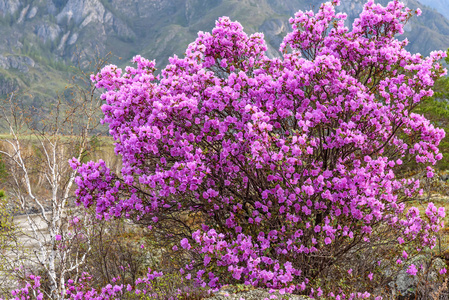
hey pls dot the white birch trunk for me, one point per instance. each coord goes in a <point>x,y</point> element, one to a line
<point>57,175</point>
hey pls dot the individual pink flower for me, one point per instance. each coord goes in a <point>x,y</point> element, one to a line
<point>412,270</point>
<point>185,244</point>
<point>404,254</point>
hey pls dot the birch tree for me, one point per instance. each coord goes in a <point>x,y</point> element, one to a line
<point>41,181</point>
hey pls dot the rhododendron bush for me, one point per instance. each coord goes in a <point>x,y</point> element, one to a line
<point>288,166</point>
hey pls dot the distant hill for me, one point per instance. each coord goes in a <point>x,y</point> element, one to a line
<point>41,37</point>
<point>441,6</point>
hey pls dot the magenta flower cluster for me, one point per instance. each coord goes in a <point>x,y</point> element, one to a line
<point>82,290</point>
<point>284,158</point>
<point>30,290</point>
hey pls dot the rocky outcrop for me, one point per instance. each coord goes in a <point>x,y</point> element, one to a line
<point>51,8</point>
<point>274,27</point>
<point>32,13</point>
<point>120,28</point>
<point>82,12</point>
<point>274,31</point>
<point>73,38</point>
<point>88,13</point>
<point>249,293</point>
<point>23,14</point>
<point>7,85</point>
<point>407,286</point>
<point>48,31</point>
<point>63,42</point>
<point>9,7</point>
<point>19,62</point>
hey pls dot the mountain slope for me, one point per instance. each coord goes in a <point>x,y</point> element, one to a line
<point>441,6</point>
<point>41,36</point>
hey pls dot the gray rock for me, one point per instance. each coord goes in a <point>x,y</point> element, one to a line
<point>73,38</point>
<point>274,31</point>
<point>21,63</point>
<point>23,14</point>
<point>406,285</point>
<point>9,7</point>
<point>121,29</point>
<point>32,13</point>
<point>274,27</point>
<point>51,8</point>
<point>63,41</point>
<point>83,12</point>
<point>48,31</point>
<point>8,85</point>
<point>108,18</point>
<point>232,293</point>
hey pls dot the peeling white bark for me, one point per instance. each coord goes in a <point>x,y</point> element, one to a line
<point>58,177</point>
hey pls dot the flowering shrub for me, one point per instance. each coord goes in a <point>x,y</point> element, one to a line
<point>81,289</point>
<point>290,162</point>
<point>287,165</point>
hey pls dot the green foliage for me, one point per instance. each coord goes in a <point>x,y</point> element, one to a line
<point>39,52</point>
<point>436,109</point>
<point>3,175</point>
<point>7,227</point>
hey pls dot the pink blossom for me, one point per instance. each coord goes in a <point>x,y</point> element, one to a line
<point>412,270</point>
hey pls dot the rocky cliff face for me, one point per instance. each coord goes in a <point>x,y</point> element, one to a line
<point>21,63</point>
<point>69,30</point>
<point>83,12</point>
<point>9,7</point>
<point>135,26</point>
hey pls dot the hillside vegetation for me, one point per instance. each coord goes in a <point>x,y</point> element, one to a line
<point>41,38</point>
